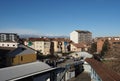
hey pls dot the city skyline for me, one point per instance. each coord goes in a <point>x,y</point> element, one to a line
<point>60,17</point>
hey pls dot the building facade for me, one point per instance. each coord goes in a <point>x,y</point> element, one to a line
<point>61,45</point>
<point>9,44</point>
<point>79,36</point>
<point>11,37</point>
<point>49,45</point>
<point>99,71</point>
<point>21,55</point>
<point>9,40</point>
<point>40,44</point>
<point>79,47</point>
<point>113,41</point>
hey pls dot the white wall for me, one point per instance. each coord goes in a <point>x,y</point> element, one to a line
<point>87,67</point>
<point>44,46</point>
<point>9,44</point>
<point>38,45</point>
<point>69,75</point>
<point>74,36</point>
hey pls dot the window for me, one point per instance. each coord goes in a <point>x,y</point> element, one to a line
<point>45,43</point>
<point>13,45</point>
<point>2,44</point>
<point>13,59</point>
<point>74,49</point>
<point>7,44</point>
<point>21,58</point>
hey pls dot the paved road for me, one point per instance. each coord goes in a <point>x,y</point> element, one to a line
<point>81,77</point>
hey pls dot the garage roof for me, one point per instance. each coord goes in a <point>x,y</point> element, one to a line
<point>24,70</point>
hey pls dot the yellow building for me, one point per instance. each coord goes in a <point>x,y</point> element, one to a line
<point>21,55</point>
<point>48,45</point>
<point>61,44</point>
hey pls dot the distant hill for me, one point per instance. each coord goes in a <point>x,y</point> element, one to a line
<point>38,36</point>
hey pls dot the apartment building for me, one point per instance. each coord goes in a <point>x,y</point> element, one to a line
<point>79,36</point>
<point>11,37</point>
<point>61,44</point>
<point>9,40</point>
<point>49,45</point>
<point>39,44</point>
<point>113,41</point>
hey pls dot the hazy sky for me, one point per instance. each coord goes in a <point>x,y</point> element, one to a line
<point>60,17</point>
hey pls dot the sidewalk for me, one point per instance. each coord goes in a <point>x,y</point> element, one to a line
<point>81,77</point>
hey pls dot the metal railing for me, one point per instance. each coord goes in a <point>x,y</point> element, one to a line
<point>67,67</point>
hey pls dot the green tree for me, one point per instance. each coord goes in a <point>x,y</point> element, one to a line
<point>105,48</point>
<point>93,48</point>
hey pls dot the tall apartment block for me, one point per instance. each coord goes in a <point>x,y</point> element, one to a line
<point>9,40</point>
<point>9,37</point>
<point>79,36</point>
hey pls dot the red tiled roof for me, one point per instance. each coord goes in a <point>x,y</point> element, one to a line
<point>61,39</point>
<point>39,39</point>
<point>104,73</point>
<point>48,39</point>
<point>80,45</point>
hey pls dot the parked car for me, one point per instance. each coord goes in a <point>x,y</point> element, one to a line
<point>60,60</point>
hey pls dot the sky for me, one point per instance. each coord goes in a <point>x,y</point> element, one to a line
<point>60,17</point>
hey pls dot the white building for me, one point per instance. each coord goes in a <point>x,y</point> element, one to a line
<point>11,37</point>
<point>39,44</point>
<point>98,71</point>
<point>9,40</point>
<point>78,36</point>
<point>9,44</point>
